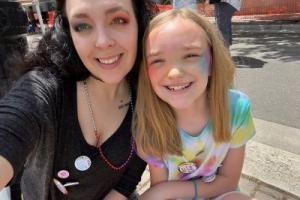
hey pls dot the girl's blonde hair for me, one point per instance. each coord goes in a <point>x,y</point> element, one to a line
<point>154,125</point>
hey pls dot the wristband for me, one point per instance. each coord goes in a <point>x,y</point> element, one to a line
<point>195,182</point>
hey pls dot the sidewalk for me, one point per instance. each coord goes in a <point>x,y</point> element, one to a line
<point>269,173</point>
<point>265,23</point>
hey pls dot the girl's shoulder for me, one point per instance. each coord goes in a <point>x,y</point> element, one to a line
<point>238,98</point>
<point>242,126</point>
<point>240,106</point>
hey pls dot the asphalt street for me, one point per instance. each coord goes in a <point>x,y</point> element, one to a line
<point>268,70</point>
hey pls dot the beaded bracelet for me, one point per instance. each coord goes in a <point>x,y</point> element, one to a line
<point>195,182</point>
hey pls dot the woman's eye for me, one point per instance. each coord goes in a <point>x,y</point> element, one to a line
<point>157,61</point>
<point>119,20</point>
<point>81,27</point>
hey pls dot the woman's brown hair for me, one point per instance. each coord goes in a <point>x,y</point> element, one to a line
<point>154,126</point>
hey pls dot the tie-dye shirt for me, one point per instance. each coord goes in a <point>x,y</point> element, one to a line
<point>201,155</point>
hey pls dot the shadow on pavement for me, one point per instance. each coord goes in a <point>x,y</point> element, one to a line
<point>247,62</point>
<point>280,46</point>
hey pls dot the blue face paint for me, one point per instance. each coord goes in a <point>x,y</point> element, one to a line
<point>204,62</point>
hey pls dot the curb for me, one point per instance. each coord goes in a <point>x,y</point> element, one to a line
<point>276,191</point>
<point>266,27</point>
<point>273,167</point>
<point>273,158</point>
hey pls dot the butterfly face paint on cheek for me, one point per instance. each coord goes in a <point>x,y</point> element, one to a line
<point>205,62</point>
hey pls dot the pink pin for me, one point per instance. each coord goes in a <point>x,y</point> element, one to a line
<point>63,174</point>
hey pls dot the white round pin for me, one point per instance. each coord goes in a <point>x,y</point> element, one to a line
<point>209,178</point>
<point>187,167</point>
<point>83,163</point>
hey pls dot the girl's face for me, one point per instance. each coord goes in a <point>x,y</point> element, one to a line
<point>104,34</point>
<point>178,62</point>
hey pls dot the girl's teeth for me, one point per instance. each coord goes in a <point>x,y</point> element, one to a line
<point>108,61</point>
<point>175,88</point>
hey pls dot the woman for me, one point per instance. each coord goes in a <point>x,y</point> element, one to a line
<point>68,120</point>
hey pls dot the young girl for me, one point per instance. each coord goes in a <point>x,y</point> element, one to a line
<point>189,125</point>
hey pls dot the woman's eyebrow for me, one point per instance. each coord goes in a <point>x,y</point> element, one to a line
<point>153,54</point>
<point>107,12</point>
<point>80,15</point>
<point>116,9</point>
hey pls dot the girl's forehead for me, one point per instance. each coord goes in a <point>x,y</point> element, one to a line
<point>177,33</point>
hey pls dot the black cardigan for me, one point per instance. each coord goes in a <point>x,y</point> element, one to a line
<point>32,115</point>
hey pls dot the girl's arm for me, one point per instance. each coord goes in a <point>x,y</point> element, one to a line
<point>226,180</point>
<point>157,176</point>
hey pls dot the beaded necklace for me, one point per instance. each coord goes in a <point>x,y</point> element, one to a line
<point>98,136</point>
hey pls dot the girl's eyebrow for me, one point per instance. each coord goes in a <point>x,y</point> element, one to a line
<point>192,47</point>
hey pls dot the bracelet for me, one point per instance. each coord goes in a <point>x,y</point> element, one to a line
<point>195,182</point>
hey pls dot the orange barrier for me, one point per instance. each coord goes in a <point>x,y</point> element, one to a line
<point>257,9</point>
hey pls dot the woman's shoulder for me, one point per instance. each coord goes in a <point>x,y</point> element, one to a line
<point>44,78</point>
<point>38,84</point>
<point>46,74</point>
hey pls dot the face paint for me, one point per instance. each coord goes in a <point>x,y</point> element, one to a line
<point>205,62</point>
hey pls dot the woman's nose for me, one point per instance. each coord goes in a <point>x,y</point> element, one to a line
<point>103,38</point>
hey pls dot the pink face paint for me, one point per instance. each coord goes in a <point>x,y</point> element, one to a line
<point>150,71</point>
<point>205,62</point>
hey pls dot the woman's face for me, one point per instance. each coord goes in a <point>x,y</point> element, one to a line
<point>104,34</point>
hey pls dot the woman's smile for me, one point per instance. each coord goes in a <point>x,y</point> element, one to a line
<point>109,63</point>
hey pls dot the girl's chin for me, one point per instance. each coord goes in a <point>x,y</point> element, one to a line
<point>179,105</point>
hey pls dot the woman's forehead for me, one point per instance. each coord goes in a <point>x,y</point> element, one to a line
<point>78,7</point>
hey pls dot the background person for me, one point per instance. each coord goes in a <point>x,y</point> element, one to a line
<point>224,10</point>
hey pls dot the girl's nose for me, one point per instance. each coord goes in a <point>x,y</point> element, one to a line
<point>104,39</point>
<point>175,72</point>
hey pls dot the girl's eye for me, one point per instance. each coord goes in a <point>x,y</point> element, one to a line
<point>119,20</point>
<point>82,27</point>
<point>191,56</point>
